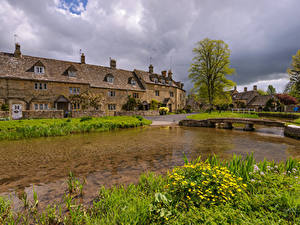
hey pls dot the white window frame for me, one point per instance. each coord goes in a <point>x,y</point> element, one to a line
<point>136,95</point>
<point>46,106</point>
<point>156,80</point>
<point>36,86</point>
<point>111,93</point>
<point>39,69</point>
<point>72,73</point>
<point>133,82</point>
<point>41,106</point>
<point>36,106</point>
<point>110,79</point>
<point>163,81</point>
<point>156,93</point>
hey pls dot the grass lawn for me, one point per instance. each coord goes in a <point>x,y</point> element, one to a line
<point>238,191</point>
<point>203,116</point>
<point>18,129</point>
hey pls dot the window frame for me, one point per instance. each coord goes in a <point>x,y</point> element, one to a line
<point>39,70</point>
<point>156,92</point>
<point>111,93</point>
<point>110,79</point>
<point>136,95</point>
<point>171,94</point>
<point>111,107</point>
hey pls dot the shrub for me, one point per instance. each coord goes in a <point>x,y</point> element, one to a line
<point>130,105</point>
<point>163,110</point>
<point>154,104</point>
<point>286,99</point>
<point>202,184</point>
<point>4,107</point>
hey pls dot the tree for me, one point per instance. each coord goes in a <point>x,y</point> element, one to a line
<point>271,90</point>
<point>286,99</point>
<point>87,100</point>
<point>209,69</point>
<point>262,92</point>
<point>293,87</point>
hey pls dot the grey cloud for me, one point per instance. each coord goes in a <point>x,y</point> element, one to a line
<point>263,35</point>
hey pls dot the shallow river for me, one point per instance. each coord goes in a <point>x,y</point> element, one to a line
<point>119,157</point>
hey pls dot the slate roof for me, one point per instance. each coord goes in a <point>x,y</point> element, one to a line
<point>93,75</point>
<point>148,78</point>
<point>260,100</point>
<point>246,95</point>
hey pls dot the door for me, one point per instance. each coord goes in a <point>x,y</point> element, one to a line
<point>62,106</point>
<point>16,111</point>
<point>170,107</point>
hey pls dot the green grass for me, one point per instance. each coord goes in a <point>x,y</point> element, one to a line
<point>297,122</point>
<point>18,129</point>
<point>203,116</point>
<point>270,195</point>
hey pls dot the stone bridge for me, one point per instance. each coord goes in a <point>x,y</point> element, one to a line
<point>226,123</point>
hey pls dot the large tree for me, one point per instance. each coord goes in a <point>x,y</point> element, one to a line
<point>208,71</point>
<point>293,87</point>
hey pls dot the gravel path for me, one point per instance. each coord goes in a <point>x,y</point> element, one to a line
<point>167,119</point>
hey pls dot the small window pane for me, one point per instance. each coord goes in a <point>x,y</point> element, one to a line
<point>45,86</point>
<point>41,86</point>
<point>78,90</point>
<point>45,106</point>
<point>71,90</point>
<point>36,106</point>
<point>41,106</point>
<point>36,86</point>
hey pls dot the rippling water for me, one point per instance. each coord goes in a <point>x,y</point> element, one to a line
<point>119,157</point>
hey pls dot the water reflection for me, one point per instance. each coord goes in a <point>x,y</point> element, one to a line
<point>119,157</point>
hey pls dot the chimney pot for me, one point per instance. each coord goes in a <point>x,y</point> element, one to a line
<point>113,63</point>
<point>82,59</point>
<point>235,88</point>
<point>17,52</point>
<point>151,68</point>
<point>164,73</point>
<point>254,87</point>
<point>245,89</point>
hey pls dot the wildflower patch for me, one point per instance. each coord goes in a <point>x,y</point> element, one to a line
<point>202,184</point>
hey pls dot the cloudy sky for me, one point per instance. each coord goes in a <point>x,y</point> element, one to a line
<point>262,34</point>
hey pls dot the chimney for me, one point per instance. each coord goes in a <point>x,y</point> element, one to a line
<point>113,63</point>
<point>17,52</point>
<point>254,87</point>
<point>82,59</point>
<point>151,68</point>
<point>164,73</point>
<point>170,74</point>
<point>234,88</point>
<point>245,89</point>
<point>182,84</point>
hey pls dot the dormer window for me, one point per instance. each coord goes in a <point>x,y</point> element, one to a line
<point>156,80</point>
<point>39,70</point>
<point>170,83</point>
<point>72,73</point>
<point>109,78</point>
<point>163,81</point>
<point>133,82</point>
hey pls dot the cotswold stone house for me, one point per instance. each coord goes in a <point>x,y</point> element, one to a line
<point>35,83</point>
<point>250,99</point>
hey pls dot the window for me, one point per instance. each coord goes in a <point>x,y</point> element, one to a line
<point>170,83</point>
<point>110,79</point>
<point>71,73</point>
<point>156,93</point>
<point>40,86</point>
<point>74,90</point>
<point>39,70</point>
<point>111,93</point>
<point>133,82</point>
<point>41,106</point>
<point>136,95</point>
<point>171,94</point>
<point>36,106</point>
<point>111,107</point>
<point>155,80</point>
<point>75,106</point>
<point>45,106</point>
<point>163,81</point>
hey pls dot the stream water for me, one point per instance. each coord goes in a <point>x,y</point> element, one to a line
<point>119,157</point>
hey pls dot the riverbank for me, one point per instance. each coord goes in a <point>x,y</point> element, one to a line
<point>237,191</point>
<point>19,129</point>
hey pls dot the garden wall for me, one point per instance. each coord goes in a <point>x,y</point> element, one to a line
<point>4,114</point>
<point>140,113</point>
<point>280,115</point>
<point>94,113</point>
<point>32,114</point>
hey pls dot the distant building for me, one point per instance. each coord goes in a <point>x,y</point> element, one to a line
<point>35,83</point>
<point>249,99</point>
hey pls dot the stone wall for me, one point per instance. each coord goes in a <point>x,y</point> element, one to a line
<point>32,114</point>
<point>292,131</point>
<point>140,113</point>
<point>94,113</point>
<point>280,115</point>
<point>4,114</point>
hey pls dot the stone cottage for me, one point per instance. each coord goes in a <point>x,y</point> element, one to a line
<point>35,83</point>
